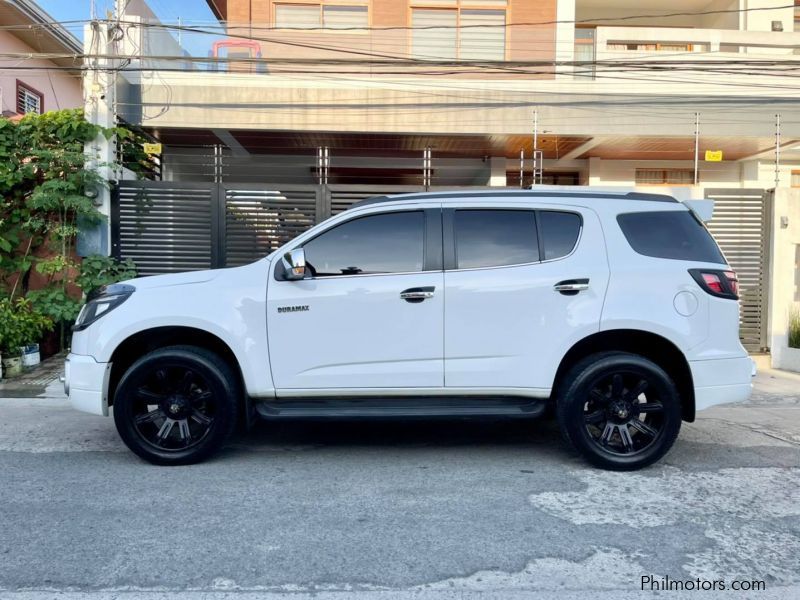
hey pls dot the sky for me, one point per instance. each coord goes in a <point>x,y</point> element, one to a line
<point>168,11</point>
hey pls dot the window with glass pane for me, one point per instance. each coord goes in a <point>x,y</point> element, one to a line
<point>345,17</point>
<point>559,232</point>
<point>482,35</point>
<point>386,243</point>
<point>494,238</point>
<point>665,176</point>
<point>28,101</point>
<point>297,16</point>
<point>433,34</point>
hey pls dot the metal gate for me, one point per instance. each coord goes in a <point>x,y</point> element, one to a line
<point>169,227</point>
<point>741,226</point>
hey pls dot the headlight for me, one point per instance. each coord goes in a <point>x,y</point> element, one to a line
<point>102,302</point>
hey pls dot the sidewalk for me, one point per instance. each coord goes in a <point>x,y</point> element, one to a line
<point>34,381</point>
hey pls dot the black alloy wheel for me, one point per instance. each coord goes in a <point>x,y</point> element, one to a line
<point>176,405</point>
<point>621,411</point>
<point>174,408</point>
<point>623,414</point>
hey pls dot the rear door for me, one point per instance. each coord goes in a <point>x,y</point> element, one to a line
<point>522,285</point>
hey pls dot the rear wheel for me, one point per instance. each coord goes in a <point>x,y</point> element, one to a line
<point>176,405</point>
<point>620,411</point>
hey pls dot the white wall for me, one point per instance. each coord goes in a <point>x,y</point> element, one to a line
<point>784,290</point>
<point>761,20</point>
<point>623,172</point>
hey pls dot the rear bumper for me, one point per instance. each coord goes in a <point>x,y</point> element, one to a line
<point>86,383</point>
<point>722,381</point>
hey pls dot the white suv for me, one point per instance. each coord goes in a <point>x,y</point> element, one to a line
<point>619,310</point>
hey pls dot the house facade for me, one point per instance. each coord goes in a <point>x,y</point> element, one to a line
<point>615,92</point>
<point>36,85</point>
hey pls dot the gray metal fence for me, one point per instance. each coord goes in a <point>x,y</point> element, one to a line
<point>168,227</point>
<point>741,226</point>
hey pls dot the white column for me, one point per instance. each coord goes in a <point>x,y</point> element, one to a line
<point>565,36</point>
<point>497,171</point>
<point>595,177</point>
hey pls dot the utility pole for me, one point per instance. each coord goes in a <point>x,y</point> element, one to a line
<point>777,150</point>
<point>696,147</point>
<point>522,167</point>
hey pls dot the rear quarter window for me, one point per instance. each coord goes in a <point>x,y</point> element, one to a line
<point>559,233</point>
<point>677,235</point>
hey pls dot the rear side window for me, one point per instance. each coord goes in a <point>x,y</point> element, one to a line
<point>678,235</point>
<point>559,232</point>
<point>494,238</point>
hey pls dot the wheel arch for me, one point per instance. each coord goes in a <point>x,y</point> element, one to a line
<point>652,346</point>
<point>147,340</point>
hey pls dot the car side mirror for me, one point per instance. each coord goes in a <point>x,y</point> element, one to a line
<point>294,264</point>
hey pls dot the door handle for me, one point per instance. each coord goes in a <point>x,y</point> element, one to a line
<point>570,287</point>
<point>417,294</point>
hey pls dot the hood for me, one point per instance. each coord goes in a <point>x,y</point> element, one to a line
<point>161,281</point>
<point>190,278</point>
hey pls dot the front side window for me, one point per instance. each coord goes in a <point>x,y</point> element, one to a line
<point>494,238</point>
<point>385,243</point>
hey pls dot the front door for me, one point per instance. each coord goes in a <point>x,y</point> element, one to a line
<point>371,313</point>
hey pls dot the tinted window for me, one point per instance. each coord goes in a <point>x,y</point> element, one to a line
<point>491,238</point>
<point>559,232</point>
<point>675,234</point>
<point>387,243</point>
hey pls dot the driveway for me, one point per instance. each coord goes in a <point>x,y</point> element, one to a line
<point>446,509</point>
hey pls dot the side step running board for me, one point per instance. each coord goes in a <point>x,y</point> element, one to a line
<point>416,407</point>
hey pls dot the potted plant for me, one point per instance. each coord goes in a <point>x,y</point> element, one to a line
<point>20,328</point>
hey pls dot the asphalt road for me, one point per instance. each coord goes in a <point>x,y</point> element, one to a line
<point>397,510</point>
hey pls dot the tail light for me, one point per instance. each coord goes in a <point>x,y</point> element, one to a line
<point>723,284</point>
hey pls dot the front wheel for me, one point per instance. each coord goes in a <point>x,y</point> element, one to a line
<point>176,405</point>
<point>621,411</point>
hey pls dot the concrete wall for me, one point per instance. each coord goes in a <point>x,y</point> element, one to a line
<point>761,20</point>
<point>60,89</point>
<point>784,276</point>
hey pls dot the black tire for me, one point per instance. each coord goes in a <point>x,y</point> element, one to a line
<point>620,411</point>
<point>177,405</point>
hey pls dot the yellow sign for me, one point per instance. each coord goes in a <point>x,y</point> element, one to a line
<point>713,155</point>
<point>156,149</point>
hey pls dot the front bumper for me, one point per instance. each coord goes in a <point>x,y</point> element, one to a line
<point>722,381</point>
<point>86,383</point>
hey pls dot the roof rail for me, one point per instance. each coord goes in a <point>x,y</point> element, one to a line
<point>522,193</point>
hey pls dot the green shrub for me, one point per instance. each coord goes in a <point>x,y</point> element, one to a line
<point>20,325</point>
<point>97,270</point>
<point>794,328</point>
